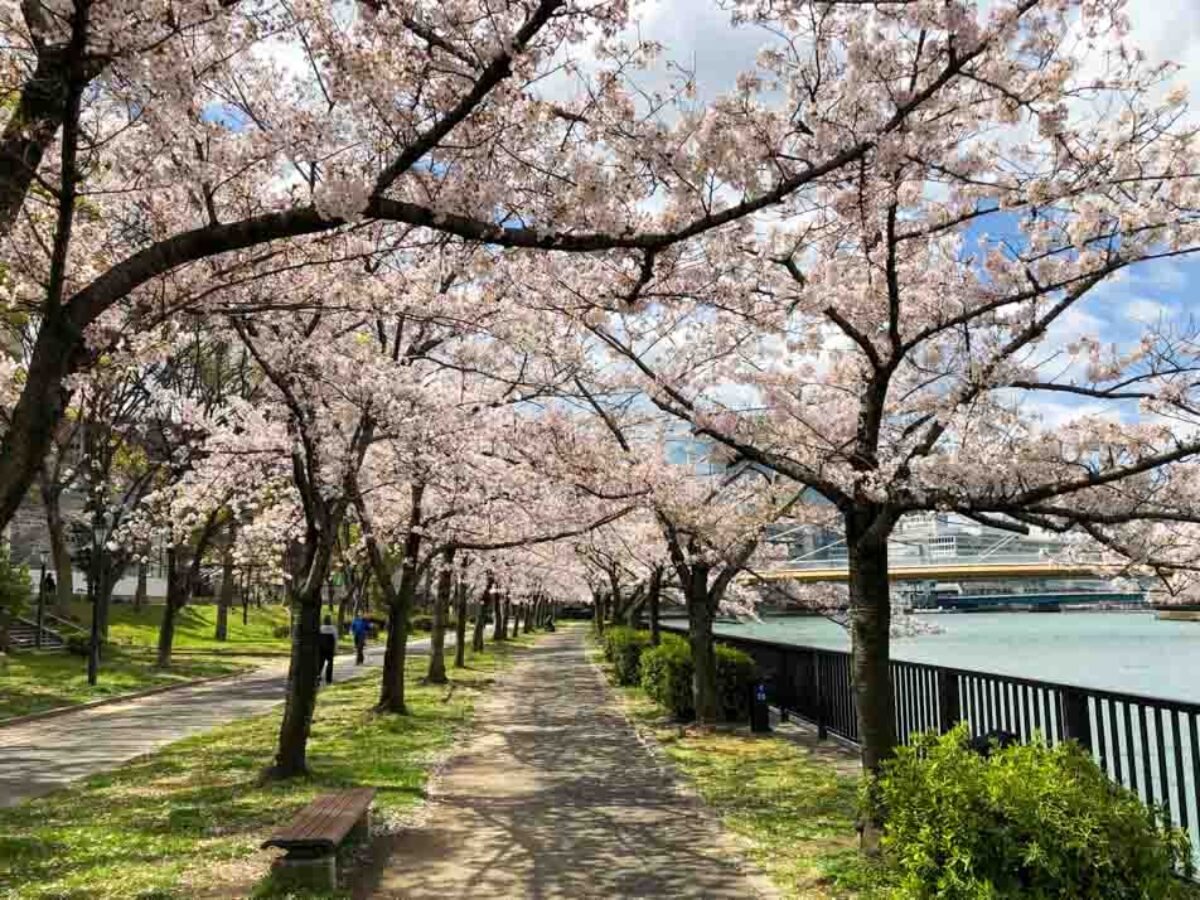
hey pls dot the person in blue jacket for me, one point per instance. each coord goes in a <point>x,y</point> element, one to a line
<point>359,629</point>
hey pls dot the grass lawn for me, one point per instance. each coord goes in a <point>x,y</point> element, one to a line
<point>194,627</point>
<point>32,682</point>
<point>187,821</point>
<point>793,804</point>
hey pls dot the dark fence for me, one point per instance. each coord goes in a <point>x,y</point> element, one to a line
<point>1147,744</point>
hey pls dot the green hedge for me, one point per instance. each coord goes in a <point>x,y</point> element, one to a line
<point>623,648</point>
<point>1028,821</point>
<point>667,678</point>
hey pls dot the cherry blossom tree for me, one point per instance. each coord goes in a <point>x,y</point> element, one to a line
<point>183,152</point>
<point>884,337</point>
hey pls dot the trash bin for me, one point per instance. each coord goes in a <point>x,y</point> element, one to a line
<point>760,713</point>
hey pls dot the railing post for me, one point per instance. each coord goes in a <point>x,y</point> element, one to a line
<point>783,692</point>
<point>819,684</point>
<point>949,707</point>
<point>1076,719</point>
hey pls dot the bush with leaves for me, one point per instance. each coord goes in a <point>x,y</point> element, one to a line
<point>667,678</point>
<point>15,592</point>
<point>623,647</point>
<point>1027,821</point>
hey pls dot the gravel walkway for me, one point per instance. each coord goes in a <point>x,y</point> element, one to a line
<point>553,795</point>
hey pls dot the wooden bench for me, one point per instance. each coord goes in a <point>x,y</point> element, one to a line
<point>311,839</point>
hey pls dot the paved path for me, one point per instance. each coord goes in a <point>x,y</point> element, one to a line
<point>554,796</point>
<point>38,757</point>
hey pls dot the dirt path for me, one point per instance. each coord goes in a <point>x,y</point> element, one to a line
<point>553,795</point>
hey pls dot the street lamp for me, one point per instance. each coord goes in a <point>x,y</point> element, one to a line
<point>41,601</point>
<point>99,527</point>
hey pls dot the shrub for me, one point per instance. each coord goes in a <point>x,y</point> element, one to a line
<point>1027,821</point>
<point>282,631</point>
<point>623,647</point>
<point>423,622</point>
<point>667,678</point>
<point>735,678</point>
<point>14,593</point>
<point>667,675</point>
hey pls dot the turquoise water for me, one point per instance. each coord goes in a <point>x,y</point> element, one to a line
<point>1119,651</point>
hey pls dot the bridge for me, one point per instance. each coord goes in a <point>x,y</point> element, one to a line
<point>958,569</point>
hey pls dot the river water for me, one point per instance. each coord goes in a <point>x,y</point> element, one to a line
<point>1119,651</point>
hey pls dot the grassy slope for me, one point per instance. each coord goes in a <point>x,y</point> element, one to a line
<point>35,682</point>
<point>31,682</point>
<point>793,806</point>
<point>178,821</point>
<point>194,628</point>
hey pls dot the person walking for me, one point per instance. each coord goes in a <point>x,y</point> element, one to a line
<point>327,644</point>
<point>358,628</point>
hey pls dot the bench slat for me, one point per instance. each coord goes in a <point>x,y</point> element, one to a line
<point>325,822</point>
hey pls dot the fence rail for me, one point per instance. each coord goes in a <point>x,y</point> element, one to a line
<point>1147,744</point>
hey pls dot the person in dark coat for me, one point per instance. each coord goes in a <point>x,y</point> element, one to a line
<point>327,645</point>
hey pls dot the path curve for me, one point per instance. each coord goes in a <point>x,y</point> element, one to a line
<point>553,795</point>
<point>43,755</point>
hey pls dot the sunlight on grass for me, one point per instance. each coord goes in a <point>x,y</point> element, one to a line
<point>175,822</point>
<point>794,812</point>
<point>32,682</point>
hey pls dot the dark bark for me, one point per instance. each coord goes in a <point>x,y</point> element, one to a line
<point>516,619</point>
<point>398,599</point>
<point>437,635</point>
<point>391,692</point>
<point>870,619</point>
<point>481,609</point>
<point>181,581</point>
<point>60,550</point>
<point>166,627</point>
<point>598,611</point>
<point>500,626</point>
<point>139,593</point>
<point>460,623</point>
<point>225,595</point>
<point>704,659</point>
<point>291,757</point>
<point>653,599</point>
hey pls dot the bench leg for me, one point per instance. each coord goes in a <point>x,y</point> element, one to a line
<point>304,871</point>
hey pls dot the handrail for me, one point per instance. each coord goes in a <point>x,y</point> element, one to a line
<point>1150,745</point>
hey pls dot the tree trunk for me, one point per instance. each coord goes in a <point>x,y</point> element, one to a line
<point>704,657</point>
<point>481,609</point>
<point>225,595</point>
<point>500,626</point>
<point>653,599</point>
<point>516,619</point>
<point>528,624</point>
<point>870,619</point>
<point>598,612</point>
<point>391,693</point>
<point>291,758</point>
<point>57,353</point>
<point>60,549</point>
<point>166,628</point>
<point>139,594</point>
<point>437,634</point>
<point>460,624</point>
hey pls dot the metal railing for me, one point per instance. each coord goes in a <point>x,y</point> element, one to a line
<point>1147,744</point>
